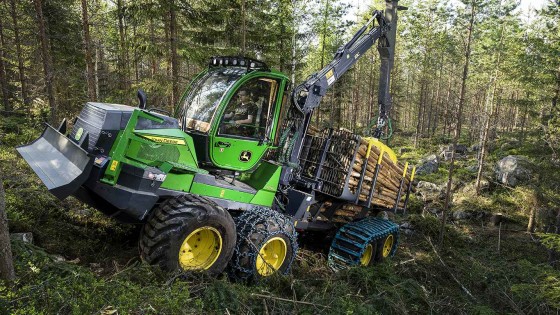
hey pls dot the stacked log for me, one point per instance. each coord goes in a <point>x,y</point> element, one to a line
<point>388,180</point>
<point>347,159</point>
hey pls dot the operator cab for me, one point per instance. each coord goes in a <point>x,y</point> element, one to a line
<point>231,111</point>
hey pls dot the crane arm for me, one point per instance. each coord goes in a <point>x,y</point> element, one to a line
<point>307,96</point>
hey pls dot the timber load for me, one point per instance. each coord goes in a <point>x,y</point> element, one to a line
<point>357,169</point>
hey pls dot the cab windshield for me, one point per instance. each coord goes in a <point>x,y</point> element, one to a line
<point>199,106</point>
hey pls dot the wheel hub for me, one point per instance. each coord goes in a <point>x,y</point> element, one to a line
<point>271,256</point>
<point>388,245</point>
<point>367,255</point>
<point>200,249</point>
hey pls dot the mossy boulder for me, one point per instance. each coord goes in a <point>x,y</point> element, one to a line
<point>514,170</point>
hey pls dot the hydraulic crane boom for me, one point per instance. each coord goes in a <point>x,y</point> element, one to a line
<point>307,96</point>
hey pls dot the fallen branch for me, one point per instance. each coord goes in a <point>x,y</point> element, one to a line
<point>449,271</point>
<point>287,300</point>
<point>407,261</point>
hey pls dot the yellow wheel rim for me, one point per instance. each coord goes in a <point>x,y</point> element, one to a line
<point>366,257</point>
<point>388,245</point>
<point>200,249</point>
<point>271,256</point>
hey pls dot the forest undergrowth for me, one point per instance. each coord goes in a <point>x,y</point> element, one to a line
<point>82,262</point>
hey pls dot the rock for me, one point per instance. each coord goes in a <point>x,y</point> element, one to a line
<point>406,228</point>
<point>406,225</point>
<point>428,165</point>
<point>446,155</point>
<point>83,212</point>
<point>509,144</point>
<point>470,188</point>
<point>404,150</point>
<point>429,191</point>
<point>469,215</point>
<point>435,211</point>
<point>468,191</point>
<point>513,170</point>
<point>461,215</point>
<point>496,218</point>
<point>58,258</point>
<point>472,168</point>
<point>23,237</point>
<point>446,151</point>
<point>475,148</point>
<point>461,149</point>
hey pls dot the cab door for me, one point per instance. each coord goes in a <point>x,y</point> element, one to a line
<point>245,124</point>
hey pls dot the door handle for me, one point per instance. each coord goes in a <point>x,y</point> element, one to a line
<point>221,144</point>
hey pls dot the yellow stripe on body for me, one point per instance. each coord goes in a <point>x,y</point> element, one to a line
<point>165,140</point>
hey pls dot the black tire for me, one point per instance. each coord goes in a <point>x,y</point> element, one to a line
<point>381,253</point>
<point>256,228</point>
<point>176,219</point>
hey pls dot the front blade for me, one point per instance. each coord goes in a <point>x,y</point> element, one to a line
<point>62,165</point>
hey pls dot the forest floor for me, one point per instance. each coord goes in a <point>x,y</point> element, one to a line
<point>82,262</point>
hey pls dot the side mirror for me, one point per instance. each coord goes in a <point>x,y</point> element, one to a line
<point>142,99</point>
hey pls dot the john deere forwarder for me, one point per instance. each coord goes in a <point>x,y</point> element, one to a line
<point>212,197</point>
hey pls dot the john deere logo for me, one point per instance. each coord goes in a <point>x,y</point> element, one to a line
<point>245,156</point>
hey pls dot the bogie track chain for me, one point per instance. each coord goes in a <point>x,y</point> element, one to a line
<point>351,240</point>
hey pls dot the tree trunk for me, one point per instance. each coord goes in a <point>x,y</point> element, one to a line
<point>123,54</point>
<point>525,115</point>
<point>6,264</point>
<point>174,58</point>
<point>458,125</point>
<point>153,58</point>
<point>493,111</point>
<point>294,43</point>
<point>90,67</point>
<point>3,75</point>
<point>437,98</point>
<point>47,59</point>
<point>420,114</point>
<point>532,220</point>
<point>21,67</point>
<point>557,90</point>
<point>243,28</point>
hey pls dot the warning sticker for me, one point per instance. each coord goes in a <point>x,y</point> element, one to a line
<point>330,77</point>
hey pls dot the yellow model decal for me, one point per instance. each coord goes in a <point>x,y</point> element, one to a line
<point>165,140</point>
<point>330,77</point>
<point>114,165</point>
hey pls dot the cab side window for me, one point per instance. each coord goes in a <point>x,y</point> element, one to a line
<point>247,113</point>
